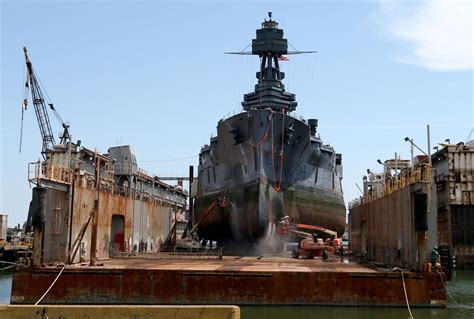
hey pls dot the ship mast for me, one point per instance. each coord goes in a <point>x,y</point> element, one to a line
<point>270,46</point>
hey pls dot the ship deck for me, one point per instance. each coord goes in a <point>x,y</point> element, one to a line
<point>232,280</point>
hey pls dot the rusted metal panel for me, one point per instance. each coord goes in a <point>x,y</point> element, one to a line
<point>75,179</point>
<point>389,230</point>
<point>454,177</point>
<point>236,282</point>
<point>56,226</point>
<point>463,228</point>
<point>145,222</point>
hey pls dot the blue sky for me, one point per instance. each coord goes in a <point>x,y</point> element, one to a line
<point>153,75</point>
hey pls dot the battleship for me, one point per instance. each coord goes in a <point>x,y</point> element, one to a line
<point>265,164</point>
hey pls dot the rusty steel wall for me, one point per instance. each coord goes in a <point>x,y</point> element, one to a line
<point>462,217</point>
<point>454,177</point>
<point>461,177</point>
<point>144,221</point>
<point>152,224</point>
<point>3,226</point>
<point>55,240</point>
<point>172,286</point>
<point>389,231</point>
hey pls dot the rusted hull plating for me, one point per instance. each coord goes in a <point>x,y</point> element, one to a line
<point>229,286</point>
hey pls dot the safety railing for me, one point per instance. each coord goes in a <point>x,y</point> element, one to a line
<point>44,171</point>
<point>418,174</point>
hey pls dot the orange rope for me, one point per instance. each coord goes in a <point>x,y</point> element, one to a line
<point>265,136</point>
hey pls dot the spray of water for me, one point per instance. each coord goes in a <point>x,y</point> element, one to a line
<point>271,243</point>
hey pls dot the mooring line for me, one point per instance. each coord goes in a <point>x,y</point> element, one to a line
<point>446,289</point>
<point>405,291</point>
<point>7,267</point>
<point>57,277</point>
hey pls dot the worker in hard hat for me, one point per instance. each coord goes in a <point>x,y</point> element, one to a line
<point>434,256</point>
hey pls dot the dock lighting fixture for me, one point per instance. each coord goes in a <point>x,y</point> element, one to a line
<point>407,139</point>
<point>359,189</point>
<point>386,166</point>
<point>436,148</point>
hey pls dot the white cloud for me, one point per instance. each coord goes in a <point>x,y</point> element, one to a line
<point>439,33</point>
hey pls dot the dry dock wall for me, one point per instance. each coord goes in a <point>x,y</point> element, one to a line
<point>383,230</point>
<point>142,223</point>
<point>132,210</point>
<point>454,177</point>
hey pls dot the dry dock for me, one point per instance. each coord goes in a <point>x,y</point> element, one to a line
<point>244,281</point>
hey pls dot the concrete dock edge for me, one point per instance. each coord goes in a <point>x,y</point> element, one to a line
<point>118,312</point>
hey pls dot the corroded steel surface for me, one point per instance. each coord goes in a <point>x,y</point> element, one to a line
<point>246,281</point>
<point>383,229</point>
<point>454,179</point>
<point>143,221</point>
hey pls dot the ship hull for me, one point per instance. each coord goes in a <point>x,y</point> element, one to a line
<point>262,166</point>
<point>239,220</point>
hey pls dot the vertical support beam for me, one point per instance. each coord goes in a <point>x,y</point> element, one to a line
<point>175,225</point>
<point>429,143</point>
<point>432,201</point>
<point>75,173</point>
<point>38,246</point>
<point>191,199</point>
<point>95,217</point>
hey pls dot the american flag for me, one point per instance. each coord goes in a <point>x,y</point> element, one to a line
<point>283,58</point>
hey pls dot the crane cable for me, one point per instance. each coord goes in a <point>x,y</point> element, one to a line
<point>169,160</point>
<point>48,100</point>
<point>24,104</point>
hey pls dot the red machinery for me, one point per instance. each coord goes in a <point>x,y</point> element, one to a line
<point>310,246</point>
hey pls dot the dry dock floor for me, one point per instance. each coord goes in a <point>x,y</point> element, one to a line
<point>229,263</point>
<point>155,280</point>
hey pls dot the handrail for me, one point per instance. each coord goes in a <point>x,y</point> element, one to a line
<point>41,170</point>
<point>418,174</point>
<point>44,171</point>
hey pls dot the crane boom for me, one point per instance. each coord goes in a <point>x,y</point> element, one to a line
<point>39,104</point>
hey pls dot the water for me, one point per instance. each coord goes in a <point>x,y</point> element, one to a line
<point>461,288</point>
<point>5,286</point>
